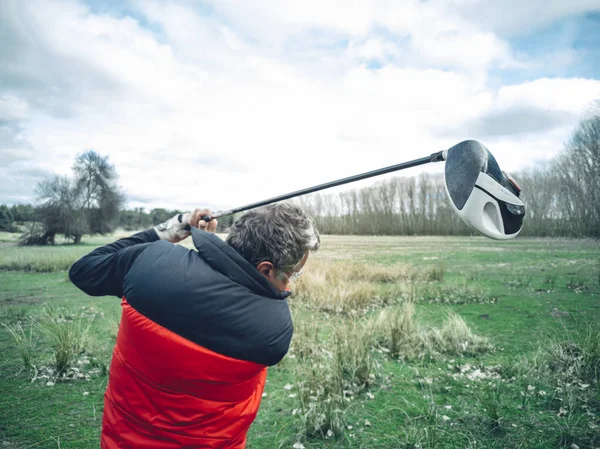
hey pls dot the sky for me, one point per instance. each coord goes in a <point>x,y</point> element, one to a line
<point>220,103</point>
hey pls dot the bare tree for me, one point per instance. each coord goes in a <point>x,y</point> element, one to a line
<point>87,204</point>
<point>578,171</point>
<point>57,210</point>
<point>96,188</point>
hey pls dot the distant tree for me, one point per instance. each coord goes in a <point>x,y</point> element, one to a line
<point>23,213</point>
<point>6,219</point>
<point>135,219</point>
<point>58,210</point>
<point>87,204</point>
<point>160,215</point>
<point>95,188</point>
<point>578,173</point>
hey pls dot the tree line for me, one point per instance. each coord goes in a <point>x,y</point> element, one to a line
<point>562,198</point>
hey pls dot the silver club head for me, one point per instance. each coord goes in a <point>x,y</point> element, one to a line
<point>485,197</point>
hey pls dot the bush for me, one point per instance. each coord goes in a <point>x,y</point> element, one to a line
<point>36,235</point>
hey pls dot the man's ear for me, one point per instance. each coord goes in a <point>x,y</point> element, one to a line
<point>266,268</point>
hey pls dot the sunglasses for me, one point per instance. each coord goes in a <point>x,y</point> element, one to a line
<point>295,275</point>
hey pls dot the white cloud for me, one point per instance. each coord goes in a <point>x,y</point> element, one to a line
<point>568,95</point>
<point>13,108</point>
<point>517,17</point>
<point>215,110</point>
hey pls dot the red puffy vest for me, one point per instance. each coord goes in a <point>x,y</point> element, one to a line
<point>166,392</point>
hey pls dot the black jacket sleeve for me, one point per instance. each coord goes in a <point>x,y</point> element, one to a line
<point>102,271</point>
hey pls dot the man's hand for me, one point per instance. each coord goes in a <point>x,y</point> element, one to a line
<point>174,230</point>
<point>197,222</point>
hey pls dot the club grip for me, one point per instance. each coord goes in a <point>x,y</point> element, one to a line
<point>206,218</point>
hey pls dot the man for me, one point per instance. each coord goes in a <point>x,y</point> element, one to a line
<point>198,329</point>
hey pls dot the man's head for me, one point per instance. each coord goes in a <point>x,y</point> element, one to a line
<point>276,239</point>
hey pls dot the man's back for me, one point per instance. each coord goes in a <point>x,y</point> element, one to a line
<point>197,332</point>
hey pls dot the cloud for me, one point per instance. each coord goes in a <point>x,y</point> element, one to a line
<point>226,103</point>
<point>533,107</point>
<point>516,17</point>
<point>519,120</point>
<point>13,145</point>
<point>13,108</point>
<point>19,182</point>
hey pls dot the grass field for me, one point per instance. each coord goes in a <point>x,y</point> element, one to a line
<point>400,342</point>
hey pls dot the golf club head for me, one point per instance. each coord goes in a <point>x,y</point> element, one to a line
<point>484,197</point>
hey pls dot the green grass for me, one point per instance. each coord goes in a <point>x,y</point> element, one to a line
<point>535,300</point>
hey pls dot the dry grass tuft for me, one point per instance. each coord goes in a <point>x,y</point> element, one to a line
<point>353,271</point>
<point>455,337</point>
<point>349,287</point>
<point>322,406</point>
<point>352,356</point>
<point>305,341</point>
<point>397,332</point>
<point>68,336</point>
<point>25,342</point>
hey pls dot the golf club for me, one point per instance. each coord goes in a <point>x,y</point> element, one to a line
<point>485,198</point>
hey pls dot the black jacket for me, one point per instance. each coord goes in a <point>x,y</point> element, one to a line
<point>212,297</point>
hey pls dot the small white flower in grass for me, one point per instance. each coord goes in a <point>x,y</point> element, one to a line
<point>349,427</point>
<point>295,411</point>
<point>86,393</point>
<point>298,445</point>
<point>514,425</point>
<point>330,434</point>
<point>292,395</point>
<point>530,388</point>
<point>288,387</point>
<point>370,395</point>
<point>445,418</point>
<point>49,383</point>
<point>264,395</point>
<point>448,407</point>
<point>542,393</point>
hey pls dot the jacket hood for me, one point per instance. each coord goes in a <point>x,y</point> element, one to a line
<point>223,258</point>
